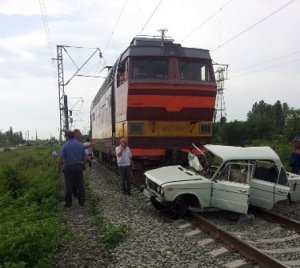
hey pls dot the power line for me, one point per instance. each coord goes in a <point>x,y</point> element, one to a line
<point>46,28</point>
<point>150,17</point>
<point>117,21</point>
<point>267,68</point>
<point>205,21</point>
<point>48,35</point>
<point>267,61</point>
<point>255,24</point>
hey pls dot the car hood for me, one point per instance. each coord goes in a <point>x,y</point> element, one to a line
<point>172,174</point>
<point>293,177</point>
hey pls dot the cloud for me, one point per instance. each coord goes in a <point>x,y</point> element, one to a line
<point>28,76</point>
<point>32,7</point>
<point>23,45</point>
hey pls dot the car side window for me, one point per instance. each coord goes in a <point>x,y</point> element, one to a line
<point>236,172</point>
<point>266,171</point>
<point>283,180</point>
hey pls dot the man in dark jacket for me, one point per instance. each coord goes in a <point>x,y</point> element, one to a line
<point>295,157</point>
<point>72,158</point>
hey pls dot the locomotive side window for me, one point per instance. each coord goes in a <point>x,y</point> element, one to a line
<point>194,70</point>
<point>150,69</point>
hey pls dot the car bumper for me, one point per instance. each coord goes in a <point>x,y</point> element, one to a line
<point>154,198</point>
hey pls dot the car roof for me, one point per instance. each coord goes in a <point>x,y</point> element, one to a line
<point>243,153</point>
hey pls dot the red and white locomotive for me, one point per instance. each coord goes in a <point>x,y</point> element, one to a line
<point>160,96</point>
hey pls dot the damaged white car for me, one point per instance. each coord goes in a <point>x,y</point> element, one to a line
<point>223,177</point>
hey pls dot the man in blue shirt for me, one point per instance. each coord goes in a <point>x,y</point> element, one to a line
<point>72,157</point>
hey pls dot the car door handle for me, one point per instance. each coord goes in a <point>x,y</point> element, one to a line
<point>282,192</point>
<point>243,191</point>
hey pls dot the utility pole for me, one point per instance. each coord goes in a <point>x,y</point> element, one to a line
<point>63,99</point>
<point>63,117</point>
<point>220,109</point>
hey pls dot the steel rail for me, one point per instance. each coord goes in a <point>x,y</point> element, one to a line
<point>247,250</point>
<point>282,220</point>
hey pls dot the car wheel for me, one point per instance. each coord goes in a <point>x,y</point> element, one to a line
<point>178,208</point>
<point>156,204</point>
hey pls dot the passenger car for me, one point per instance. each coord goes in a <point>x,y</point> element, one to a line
<point>224,177</point>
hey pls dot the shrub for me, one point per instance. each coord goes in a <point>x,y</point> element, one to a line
<point>29,215</point>
<point>14,182</point>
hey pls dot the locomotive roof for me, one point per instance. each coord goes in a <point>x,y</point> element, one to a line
<point>154,46</point>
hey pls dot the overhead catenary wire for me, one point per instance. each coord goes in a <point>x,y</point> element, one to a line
<point>150,17</point>
<point>266,61</point>
<point>266,68</point>
<point>115,25</point>
<point>46,28</point>
<point>206,21</point>
<point>254,25</point>
<point>48,36</point>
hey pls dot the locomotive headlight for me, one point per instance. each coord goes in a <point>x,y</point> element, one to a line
<point>136,128</point>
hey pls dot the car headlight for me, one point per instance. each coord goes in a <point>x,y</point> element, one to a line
<point>160,190</point>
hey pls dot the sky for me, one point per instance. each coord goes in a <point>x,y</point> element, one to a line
<point>259,40</point>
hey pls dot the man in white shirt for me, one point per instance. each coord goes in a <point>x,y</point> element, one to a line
<point>124,160</point>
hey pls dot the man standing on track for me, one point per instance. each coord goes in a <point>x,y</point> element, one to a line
<point>124,160</point>
<point>72,155</point>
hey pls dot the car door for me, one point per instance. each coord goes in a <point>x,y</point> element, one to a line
<point>281,187</point>
<point>229,195</point>
<point>265,191</point>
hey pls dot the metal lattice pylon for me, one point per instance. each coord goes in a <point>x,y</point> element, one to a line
<point>63,99</point>
<point>220,109</point>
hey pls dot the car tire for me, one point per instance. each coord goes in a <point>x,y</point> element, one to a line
<point>156,204</point>
<point>178,208</point>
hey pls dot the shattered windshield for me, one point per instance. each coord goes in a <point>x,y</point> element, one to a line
<point>205,164</point>
<point>194,162</point>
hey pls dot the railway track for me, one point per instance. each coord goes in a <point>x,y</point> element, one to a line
<point>266,244</point>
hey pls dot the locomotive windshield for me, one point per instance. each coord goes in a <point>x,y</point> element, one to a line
<point>194,71</point>
<point>150,69</point>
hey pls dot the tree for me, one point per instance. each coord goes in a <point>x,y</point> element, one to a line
<point>10,138</point>
<point>261,121</point>
<point>232,133</point>
<point>279,116</point>
<point>292,126</point>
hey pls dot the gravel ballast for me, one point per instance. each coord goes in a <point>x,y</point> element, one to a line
<point>153,239</point>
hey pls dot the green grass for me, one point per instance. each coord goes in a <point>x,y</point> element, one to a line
<point>29,216</point>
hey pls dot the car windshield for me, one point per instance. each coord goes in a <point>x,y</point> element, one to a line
<point>205,164</point>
